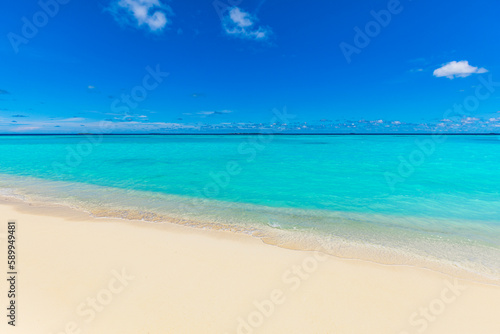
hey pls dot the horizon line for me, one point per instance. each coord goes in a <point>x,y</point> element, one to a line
<point>257,133</point>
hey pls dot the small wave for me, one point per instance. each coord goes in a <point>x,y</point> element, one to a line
<point>379,238</point>
<point>274,225</point>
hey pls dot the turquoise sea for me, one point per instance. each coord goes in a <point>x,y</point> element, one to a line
<point>432,201</point>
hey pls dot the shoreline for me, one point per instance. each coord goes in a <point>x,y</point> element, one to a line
<point>67,256</point>
<point>338,247</point>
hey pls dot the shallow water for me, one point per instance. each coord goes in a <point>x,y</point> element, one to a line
<point>393,199</point>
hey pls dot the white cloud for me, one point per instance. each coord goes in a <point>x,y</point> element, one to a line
<point>242,24</point>
<point>72,119</point>
<point>141,13</point>
<point>460,69</point>
<point>208,113</point>
<point>25,128</point>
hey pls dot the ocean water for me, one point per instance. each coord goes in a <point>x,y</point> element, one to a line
<point>432,201</point>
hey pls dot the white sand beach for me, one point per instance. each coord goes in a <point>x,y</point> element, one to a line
<point>78,274</point>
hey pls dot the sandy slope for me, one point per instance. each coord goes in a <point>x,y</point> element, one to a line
<point>83,275</point>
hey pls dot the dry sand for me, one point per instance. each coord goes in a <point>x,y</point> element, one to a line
<point>79,274</point>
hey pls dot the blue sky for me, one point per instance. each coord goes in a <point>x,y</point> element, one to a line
<point>72,66</point>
